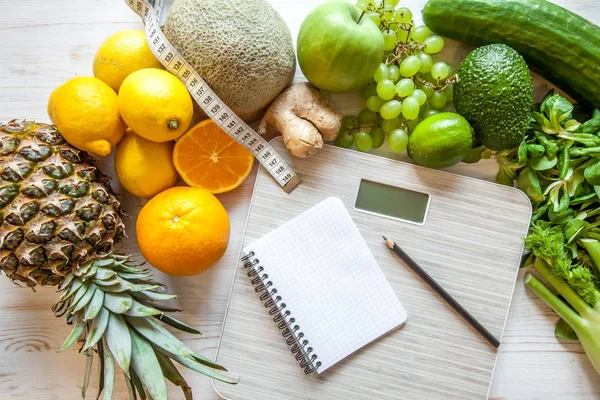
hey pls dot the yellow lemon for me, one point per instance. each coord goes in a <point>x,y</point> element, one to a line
<point>85,111</point>
<point>50,106</point>
<point>120,55</point>
<point>155,104</point>
<point>144,168</point>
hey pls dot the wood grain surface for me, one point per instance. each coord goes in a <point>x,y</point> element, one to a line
<point>44,43</point>
<point>435,355</point>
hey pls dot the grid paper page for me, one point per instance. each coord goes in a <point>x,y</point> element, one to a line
<point>329,281</point>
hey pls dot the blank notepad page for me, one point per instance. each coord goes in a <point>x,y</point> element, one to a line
<point>329,282</point>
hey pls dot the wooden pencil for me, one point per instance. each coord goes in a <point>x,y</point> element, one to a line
<point>442,292</point>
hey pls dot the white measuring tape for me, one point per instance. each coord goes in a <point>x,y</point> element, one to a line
<point>213,106</point>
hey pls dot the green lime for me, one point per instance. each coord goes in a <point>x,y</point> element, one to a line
<point>441,140</point>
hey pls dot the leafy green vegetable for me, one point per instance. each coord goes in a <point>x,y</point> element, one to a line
<point>558,166</point>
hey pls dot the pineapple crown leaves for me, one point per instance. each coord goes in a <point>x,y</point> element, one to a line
<point>113,307</point>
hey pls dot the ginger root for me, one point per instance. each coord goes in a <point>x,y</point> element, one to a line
<point>302,115</point>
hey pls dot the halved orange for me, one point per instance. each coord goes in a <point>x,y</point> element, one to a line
<point>207,157</point>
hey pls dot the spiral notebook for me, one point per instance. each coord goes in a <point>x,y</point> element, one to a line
<point>323,285</point>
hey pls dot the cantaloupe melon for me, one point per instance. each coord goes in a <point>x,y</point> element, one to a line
<point>242,48</point>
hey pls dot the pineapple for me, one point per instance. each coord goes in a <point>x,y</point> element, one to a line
<point>60,221</point>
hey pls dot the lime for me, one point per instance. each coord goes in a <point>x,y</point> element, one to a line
<point>441,140</point>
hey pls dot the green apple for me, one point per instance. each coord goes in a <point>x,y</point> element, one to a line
<point>337,52</point>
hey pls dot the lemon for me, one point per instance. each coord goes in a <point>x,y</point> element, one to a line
<point>85,111</point>
<point>144,168</point>
<point>155,104</point>
<point>120,55</point>
<point>50,106</point>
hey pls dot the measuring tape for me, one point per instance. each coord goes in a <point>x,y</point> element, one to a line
<point>211,104</point>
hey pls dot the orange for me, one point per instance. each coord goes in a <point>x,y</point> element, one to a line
<point>207,157</point>
<point>183,231</point>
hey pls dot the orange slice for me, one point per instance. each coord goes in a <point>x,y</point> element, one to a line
<point>208,158</point>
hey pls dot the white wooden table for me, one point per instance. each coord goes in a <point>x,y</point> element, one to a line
<point>43,44</point>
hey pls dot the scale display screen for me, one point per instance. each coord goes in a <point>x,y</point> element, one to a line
<point>391,201</point>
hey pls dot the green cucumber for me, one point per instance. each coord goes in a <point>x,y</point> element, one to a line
<point>562,46</point>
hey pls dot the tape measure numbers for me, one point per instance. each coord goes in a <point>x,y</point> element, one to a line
<point>210,103</point>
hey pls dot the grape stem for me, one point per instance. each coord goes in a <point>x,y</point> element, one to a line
<point>405,48</point>
<point>361,16</point>
<point>441,84</point>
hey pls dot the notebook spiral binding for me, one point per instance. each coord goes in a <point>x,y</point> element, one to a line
<point>300,346</point>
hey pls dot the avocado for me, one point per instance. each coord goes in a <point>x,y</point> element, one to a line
<point>494,93</point>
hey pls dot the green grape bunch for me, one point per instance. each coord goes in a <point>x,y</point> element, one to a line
<point>407,87</point>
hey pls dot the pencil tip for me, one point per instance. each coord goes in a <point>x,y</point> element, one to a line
<point>384,238</point>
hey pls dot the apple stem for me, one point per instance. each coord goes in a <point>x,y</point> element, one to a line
<point>359,18</point>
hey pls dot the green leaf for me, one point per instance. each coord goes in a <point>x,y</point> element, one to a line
<point>88,370</point>
<point>542,163</point>
<point>66,282</point>
<point>138,384</point>
<point>115,280</point>
<point>528,182</point>
<point>109,372</point>
<point>131,275</point>
<point>87,297</point>
<point>574,185</point>
<point>505,177</point>
<point>128,286</point>
<point>75,333</point>
<point>561,218</point>
<point>539,213</point>
<point>147,368</point>
<point>563,162</point>
<point>592,125</point>
<point>160,337</point>
<point>592,174</point>
<point>79,294</point>
<point>522,154</point>
<point>534,181</point>
<point>118,303</point>
<point>558,109</point>
<point>100,350</point>
<point>90,273</point>
<point>104,274</point>
<point>573,229</point>
<point>140,310</point>
<point>196,366</point>
<point>154,296</point>
<point>97,329</point>
<point>572,125</point>
<point>474,155</point>
<point>60,308</point>
<point>564,331</point>
<point>105,262</point>
<point>172,374</point>
<point>535,150</point>
<point>167,319</point>
<point>93,307</point>
<point>83,269</point>
<point>77,283</point>
<point>119,341</point>
<point>563,204</point>
<point>158,306</point>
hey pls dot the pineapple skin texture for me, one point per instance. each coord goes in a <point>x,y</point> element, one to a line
<point>57,209</point>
